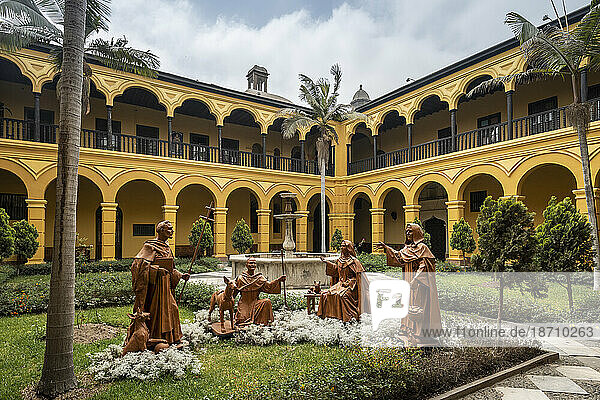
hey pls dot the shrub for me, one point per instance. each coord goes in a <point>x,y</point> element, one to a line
<point>108,365</point>
<point>336,240</point>
<point>374,262</point>
<point>241,238</point>
<point>565,239</point>
<point>201,227</point>
<point>7,236</point>
<point>462,238</point>
<point>26,236</point>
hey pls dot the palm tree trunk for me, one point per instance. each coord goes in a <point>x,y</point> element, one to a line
<point>322,167</point>
<point>58,375</point>
<point>589,200</point>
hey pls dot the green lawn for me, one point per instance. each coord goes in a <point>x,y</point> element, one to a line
<point>226,365</point>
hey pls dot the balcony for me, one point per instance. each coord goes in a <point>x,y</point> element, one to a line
<point>93,139</point>
<point>520,127</point>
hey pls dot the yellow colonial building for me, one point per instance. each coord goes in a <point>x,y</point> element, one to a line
<point>163,148</point>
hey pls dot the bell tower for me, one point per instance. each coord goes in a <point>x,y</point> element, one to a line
<point>257,78</point>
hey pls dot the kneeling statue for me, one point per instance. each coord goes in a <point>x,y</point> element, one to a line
<point>347,298</point>
<point>250,284</point>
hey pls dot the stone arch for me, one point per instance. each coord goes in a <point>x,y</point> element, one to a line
<point>199,98</point>
<point>24,176</point>
<point>263,127</point>
<point>140,84</point>
<point>50,174</point>
<point>19,67</point>
<point>244,184</point>
<point>313,206</point>
<point>380,121</point>
<point>534,186</point>
<point>122,179</point>
<point>387,187</point>
<point>468,174</point>
<point>393,201</point>
<point>464,85</point>
<point>526,166</point>
<point>418,104</point>
<point>329,195</point>
<point>284,187</point>
<point>196,179</point>
<point>191,200</point>
<point>419,184</point>
<point>89,198</point>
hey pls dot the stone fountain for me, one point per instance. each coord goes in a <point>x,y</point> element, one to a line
<point>301,268</point>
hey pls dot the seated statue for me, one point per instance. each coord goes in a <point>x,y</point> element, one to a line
<point>347,298</point>
<point>250,284</point>
<point>418,269</point>
<point>154,280</point>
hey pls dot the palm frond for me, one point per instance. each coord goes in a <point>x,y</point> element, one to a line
<point>53,10</point>
<point>588,33</point>
<point>336,71</point>
<point>295,120</point>
<point>550,48</point>
<point>25,13</point>
<point>331,133</point>
<point>117,55</point>
<point>97,16</point>
<point>520,78</point>
<point>352,116</point>
<point>16,36</point>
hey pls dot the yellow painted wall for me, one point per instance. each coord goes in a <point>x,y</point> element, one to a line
<point>543,183</point>
<point>238,207</point>
<point>480,182</point>
<point>191,202</point>
<point>393,139</point>
<point>426,128</point>
<point>141,203</point>
<point>394,229</point>
<point>468,113</point>
<point>88,201</point>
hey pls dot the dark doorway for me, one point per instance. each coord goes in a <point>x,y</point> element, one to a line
<point>437,229</point>
<point>119,234</point>
<point>317,228</point>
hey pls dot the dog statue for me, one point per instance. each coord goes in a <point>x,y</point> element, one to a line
<point>138,336</point>
<point>224,299</point>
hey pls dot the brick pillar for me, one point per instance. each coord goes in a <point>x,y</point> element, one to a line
<point>36,216</point>
<point>411,212</point>
<point>170,214</point>
<point>376,227</point>
<point>456,211</point>
<point>264,238</point>
<point>109,229</point>
<point>302,231</point>
<point>220,234</point>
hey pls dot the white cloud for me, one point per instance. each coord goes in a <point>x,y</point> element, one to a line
<point>378,43</point>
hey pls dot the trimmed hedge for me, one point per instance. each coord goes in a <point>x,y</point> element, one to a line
<point>203,264</point>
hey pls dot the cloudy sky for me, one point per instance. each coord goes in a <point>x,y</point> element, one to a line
<point>378,43</point>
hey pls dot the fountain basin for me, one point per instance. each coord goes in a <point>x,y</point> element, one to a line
<point>301,269</point>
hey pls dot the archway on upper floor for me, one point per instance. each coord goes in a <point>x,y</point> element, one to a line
<point>138,113</point>
<point>194,124</point>
<point>314,224</point>
<point>394,223</point>
<point>277,226</point>
<point>89,229</point>
<point>539,184</point>
<point>362,224</point>
<point>14,88</point>
<point>361,143</point>
<point>242,203</point>
<point>434,217</point>
<point>310,150</point>
<point>240,131</point>
<point>13,195</point>
<point>474,191</point>
<point>392,136</point>
<point>275,139</point>
<point>431,122</point>
<point>192,201</point>
<point>141,203</point>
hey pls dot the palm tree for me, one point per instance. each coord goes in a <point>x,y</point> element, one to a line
<point>58,375</point>
<point>555,50</point>
<point>324,110</point>
<point>25,22</point>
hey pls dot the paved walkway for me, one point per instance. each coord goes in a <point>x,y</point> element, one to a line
<point>212,278</point>
<point>575,376</point>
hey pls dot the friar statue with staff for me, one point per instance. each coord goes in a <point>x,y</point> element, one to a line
<point>418,269</point>
<point>154,279</point>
